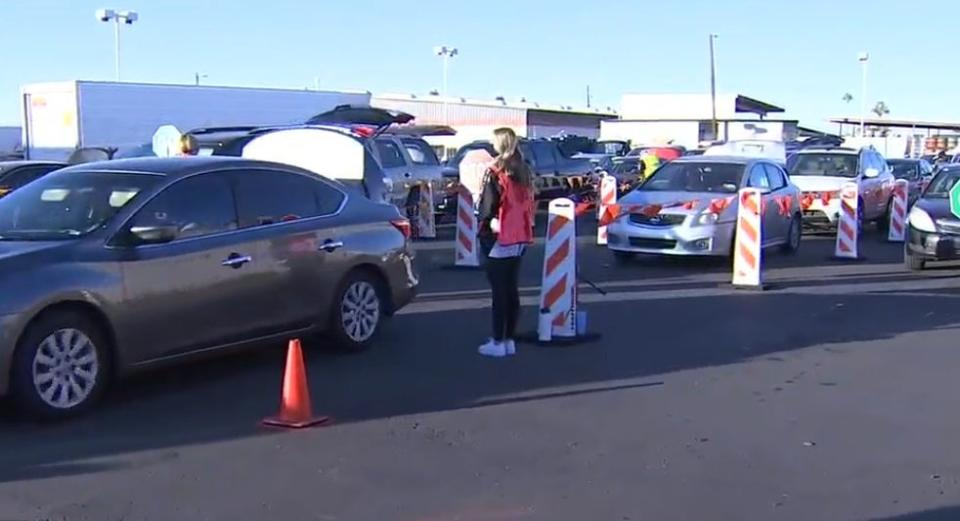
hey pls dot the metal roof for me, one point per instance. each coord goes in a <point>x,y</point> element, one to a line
<point>755,106</point>
<point>899,123</point>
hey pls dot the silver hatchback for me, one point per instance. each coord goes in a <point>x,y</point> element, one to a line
<point>106,268</point>
<point>689,207</point>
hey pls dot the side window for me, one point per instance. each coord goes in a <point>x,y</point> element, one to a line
<point>24,175</point>
<point>775,176</point>
<point>758,177</point>
<point>270,197</point>
<point>420,152</point>
<point>197,206</point>
<point>390,155</point>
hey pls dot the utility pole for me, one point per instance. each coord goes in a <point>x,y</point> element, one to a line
<point>863,58</point>
<point>713,88</point>
<point>588,96</point>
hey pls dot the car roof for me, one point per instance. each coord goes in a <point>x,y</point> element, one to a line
<point>829,150</point>
<point>737,160</point>
<point>172,167</point>
<point>903,160</point>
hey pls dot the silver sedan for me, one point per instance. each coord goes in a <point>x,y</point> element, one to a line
<point>689,207</point>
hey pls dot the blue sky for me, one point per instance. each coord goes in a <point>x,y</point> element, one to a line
<point>799,55</point>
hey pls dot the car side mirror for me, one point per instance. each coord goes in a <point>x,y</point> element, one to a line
<point>154,234</point>
<point>871,173</point>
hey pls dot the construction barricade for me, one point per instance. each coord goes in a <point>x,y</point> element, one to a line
<point>747,251</point>
<point>558,292</point>
<point>898,211</point>
<point>608,197</point>
<point>848,224</point>
<point>466,248</point>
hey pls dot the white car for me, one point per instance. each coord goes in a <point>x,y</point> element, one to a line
<point>820,172</point>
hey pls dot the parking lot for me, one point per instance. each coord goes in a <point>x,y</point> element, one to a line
<point>828,396</point>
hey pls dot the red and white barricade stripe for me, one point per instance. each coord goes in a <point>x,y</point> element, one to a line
<point>426,221</point>
<point>848,228</point>
<point>608,197</point>
<point>558,292</point>
<point>466,244</point>
<point>747,254</point>
<point>898,211</point>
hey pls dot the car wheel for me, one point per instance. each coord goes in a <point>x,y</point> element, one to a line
<point>912,262</point>
<point>792,243</point>
<point>357,311</point>
<point>622,257</point>
<point>883,224</point>
<point>60,367</point>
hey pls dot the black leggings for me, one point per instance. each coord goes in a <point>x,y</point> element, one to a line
<point>504,276</point>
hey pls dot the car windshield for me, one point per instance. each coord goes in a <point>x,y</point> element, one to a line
<point>614,148</point>
<point>68,204</point>
<point>695,177</point>
<point>903,169</point>
<point>829,165</point>
<point>940,186</point>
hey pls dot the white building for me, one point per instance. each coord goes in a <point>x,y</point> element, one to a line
<point>687,120</point>
<point>476,119</point>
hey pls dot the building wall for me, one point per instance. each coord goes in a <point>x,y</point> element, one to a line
<point>9,140</point>
<point>677,106</point>
<point>685,133</point>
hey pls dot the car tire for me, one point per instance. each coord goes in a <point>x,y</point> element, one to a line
<point>883,223</point>
<point>912,262</point>
<point>622,257</point>
<point>61,366</point>
<point>358,311</point>
<point>792,244</point>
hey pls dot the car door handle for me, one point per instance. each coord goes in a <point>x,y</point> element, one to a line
<point>235,260</point>
<point>330,245</point>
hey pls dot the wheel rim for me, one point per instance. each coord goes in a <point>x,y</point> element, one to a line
<point>360,311</point>
<point>65,368</point>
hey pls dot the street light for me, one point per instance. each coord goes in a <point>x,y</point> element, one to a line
<point>863,58</point>
<point>118,17</point>
<point>446,53</point>
<point>197,77</point>
<point>713,89</point>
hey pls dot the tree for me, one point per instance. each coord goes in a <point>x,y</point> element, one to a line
<point>881,109</point>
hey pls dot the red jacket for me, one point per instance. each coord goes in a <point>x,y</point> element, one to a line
<point>516,211</point>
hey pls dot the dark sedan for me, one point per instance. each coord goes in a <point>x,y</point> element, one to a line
<point>14,174</point>
<point>933,232</point>
<point>116,266</point>
<point>916,172</point>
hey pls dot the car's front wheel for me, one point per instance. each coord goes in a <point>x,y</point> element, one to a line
<point>61,365</point>
<point>912,262</point>
<point>794,234</point>
<point>358,311</point>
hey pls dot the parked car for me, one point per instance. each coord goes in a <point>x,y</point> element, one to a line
<point>112,267</point>
<point>933,232</point>
<point>15,174</point>
<point>917,173</point>
<point>685,189</point>
<point>820,172</point>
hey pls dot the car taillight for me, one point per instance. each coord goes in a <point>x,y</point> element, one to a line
<point>403,225</point>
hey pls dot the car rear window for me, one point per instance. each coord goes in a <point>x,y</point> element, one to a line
<point>420,152</point>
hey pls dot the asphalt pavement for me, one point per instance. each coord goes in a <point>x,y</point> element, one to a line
<point>832,395</point>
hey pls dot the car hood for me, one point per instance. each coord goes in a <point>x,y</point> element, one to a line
<point>819,183</point>
<point>10,250</point>
<point>680,202</point>
<point>936,208</point>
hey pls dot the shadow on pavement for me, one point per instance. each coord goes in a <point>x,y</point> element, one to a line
<point>939,514</point>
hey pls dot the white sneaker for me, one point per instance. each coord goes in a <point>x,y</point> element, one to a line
<point>493,348</point>
<point>510,347</point>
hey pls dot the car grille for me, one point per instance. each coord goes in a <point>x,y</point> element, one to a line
<point>949,227</point>
<point>653,244</point>
<point>657,220</point>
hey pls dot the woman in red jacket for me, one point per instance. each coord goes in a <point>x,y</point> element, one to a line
<point>506,228</point>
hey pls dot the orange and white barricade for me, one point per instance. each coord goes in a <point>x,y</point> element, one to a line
<point>898,211</point>
<point>848,227</point>
<point>558,291</point>
<point>466,246</point>
<point>747,252</point>
<point>608,197</point>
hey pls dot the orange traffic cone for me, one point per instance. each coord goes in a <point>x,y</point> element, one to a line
<point>295,410</point>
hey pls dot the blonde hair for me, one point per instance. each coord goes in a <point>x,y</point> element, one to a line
<point>509,158</point>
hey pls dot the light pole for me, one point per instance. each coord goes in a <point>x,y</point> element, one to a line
<point>117,17</point>
<point>713,89</point>
<point>446,53</point>
<point>863,58</point>
<point>197,77</point>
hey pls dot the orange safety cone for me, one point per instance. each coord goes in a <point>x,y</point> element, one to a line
<point>295,409</point>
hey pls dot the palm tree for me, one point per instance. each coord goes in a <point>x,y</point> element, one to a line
<point>881,109</point>
<point>847,98</point>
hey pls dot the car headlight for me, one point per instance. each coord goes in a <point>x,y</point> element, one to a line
<point>921,220</point>
<point>705,219</point>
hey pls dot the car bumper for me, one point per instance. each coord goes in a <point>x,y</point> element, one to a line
<point>932,246</point>
<point>403,280</point>
<point>710,240</point>
<point>821,215</point>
